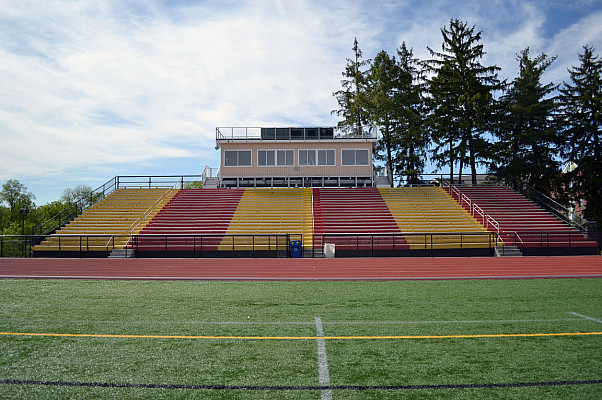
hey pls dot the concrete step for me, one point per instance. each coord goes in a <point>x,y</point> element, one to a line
<point>211,183</point>
<point>507,251</point>
<point>382,181</point>
<point>122,253</point>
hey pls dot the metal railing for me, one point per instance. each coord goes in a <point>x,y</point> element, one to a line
<point>379,242</point>
<point>247,133</point>
<point>552,206</point>
<point>160,201</point>
<point>259,245</point>
<point>117,182</point>
<point>486,219</point>
<point>209,172</point>
<point>196,245</point>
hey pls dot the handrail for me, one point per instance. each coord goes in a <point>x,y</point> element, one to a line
<point>208,173</point>
<point>493,222</point>
<point>120,181</point>
<point>74,209</point>
<point>455,190</point>
<point>550,204</point>
<point>479,211</point>
<point>149,210</point>
<point>473,207</point>
<point>466,199</point>
<point>516,235</point>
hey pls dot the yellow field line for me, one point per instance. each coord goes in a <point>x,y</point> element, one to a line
<point>498,335</point>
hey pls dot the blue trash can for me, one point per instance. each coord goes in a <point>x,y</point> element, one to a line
<point>296,249</point>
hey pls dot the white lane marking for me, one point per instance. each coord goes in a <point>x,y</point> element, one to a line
<point>323,374</point>
<point>586,317</point>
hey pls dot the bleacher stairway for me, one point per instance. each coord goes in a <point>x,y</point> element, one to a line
<point>522,223</point>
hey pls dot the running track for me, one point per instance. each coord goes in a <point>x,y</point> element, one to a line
<point>305,269</point>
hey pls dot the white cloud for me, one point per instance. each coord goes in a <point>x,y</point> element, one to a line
<point>92,86</point>
<point>90,83</point>
<point>568,43</point>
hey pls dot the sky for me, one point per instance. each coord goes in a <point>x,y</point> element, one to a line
<point>91,89</point>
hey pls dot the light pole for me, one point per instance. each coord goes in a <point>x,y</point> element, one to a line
<point>23,212</point>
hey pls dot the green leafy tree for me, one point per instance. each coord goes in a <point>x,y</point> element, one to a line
<point>582,122</point>
<point>462,95</point>
<point>352,98</point>
<point>527,135</point>
<point>71,195</point>
<point>16,196</point>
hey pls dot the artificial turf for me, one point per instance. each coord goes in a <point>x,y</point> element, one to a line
<point>288,368</point>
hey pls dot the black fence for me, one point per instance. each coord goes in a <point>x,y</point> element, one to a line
<point>405,244</point>
<point>430,244</point>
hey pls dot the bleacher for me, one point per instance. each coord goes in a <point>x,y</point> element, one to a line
<point>419,210</point>
<point>392,221</point>
<point>341,213</point>
<point>263,213</point>
<point>201,212</point>
<point>520,221</point>
<point>109,223</point>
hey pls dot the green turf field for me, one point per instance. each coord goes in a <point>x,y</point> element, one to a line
<point>263,340</point>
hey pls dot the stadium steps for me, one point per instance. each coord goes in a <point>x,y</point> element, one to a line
<point>270,211</point>
<point>113,219</point>
<point>354,211</point>
<point>191,212</point>
<point>432,210</point>
<point>534,227</point>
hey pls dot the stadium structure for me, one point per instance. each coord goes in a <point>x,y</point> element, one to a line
<point>308,192</point>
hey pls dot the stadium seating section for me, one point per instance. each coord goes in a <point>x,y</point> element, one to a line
<point>110,222</point>
<point>520,221</point>
<point>411,218</point>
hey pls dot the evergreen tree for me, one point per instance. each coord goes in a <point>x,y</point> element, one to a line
<point>411,135</point>
<point>527,136</point>
<point>582,119</point>
<point>461,96</point>
<point>443,119</point>
<point>352,99</point>
<point>383,80</point>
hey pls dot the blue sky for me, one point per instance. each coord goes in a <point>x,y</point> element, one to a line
<point>92,89</point>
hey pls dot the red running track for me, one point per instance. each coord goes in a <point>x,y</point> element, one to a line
<point>305,269</point>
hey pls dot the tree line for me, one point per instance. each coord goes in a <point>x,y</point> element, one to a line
<point>15,197</point>
<point>458,112</point>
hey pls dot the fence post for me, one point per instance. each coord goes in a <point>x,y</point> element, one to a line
<point>431,245</point>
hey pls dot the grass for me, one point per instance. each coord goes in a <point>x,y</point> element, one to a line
<point>289,309</point>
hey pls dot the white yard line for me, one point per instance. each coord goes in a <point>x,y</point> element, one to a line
<point>323,375</point>
<point>586,317</point>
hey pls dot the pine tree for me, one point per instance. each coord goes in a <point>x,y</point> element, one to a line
<point>526,133</point>
<point>383,80</point>
<point>582,122</point>
<point>461,96</point>
<point>352,98</point>
<point>411,109</point>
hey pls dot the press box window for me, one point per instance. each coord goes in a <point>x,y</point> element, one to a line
<point>234,158</point>
<point>284,157</point>
<point>355,157</point>
<point>325,157</point>
<point>307,157</point>
<point>266,157</point>
<point>274,157</point>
